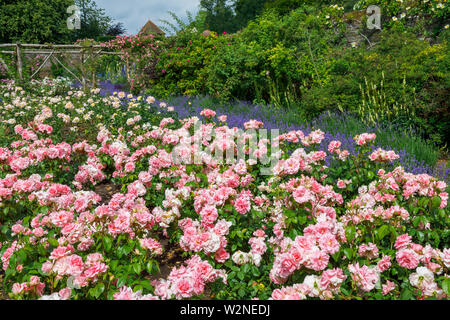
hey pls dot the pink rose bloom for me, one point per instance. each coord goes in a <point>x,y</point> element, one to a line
<point>242,205</point>
<point>94,257</point>
<point>259,233</point>
<point>445,256</point>
<point>207,113</point>
<point>129,167</point>
<point>384,263</point>
<point>341,184</point>
<point>343,155</point>
<point>96,269</point>
<point>402,241</point>
<point>125,293</point>
<point>221,255</point>
<point>365,277</point>
<point>253,124</point>
<point>278,294</point>
<point>417,248</point>
<point>65,293</point>
<point>60,252</point>
<point>334,146</point>
<point>318,260</point>
<point>18,288</point>
<point>434,267</point>
<point>388,287</point>
<point>291,166</point>
<point>209,214</point>
<point>287,266</point>
<point>152,245</point>
<point>370,250</point>
<point>184,287</point>
<point>329,243</point>
<point>407,258</point>
<point>331,279</point>
<point>34,280</point>
<point>38,232</point>
<point>47,267</point>
<point>302,195</point>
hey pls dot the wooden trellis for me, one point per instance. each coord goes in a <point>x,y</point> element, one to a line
<point>55,53</point>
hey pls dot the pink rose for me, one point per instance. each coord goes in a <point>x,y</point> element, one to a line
<point>407,258</point>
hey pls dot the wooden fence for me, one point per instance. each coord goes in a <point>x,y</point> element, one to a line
<point>56,53</point>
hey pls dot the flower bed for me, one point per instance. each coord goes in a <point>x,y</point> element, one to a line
<point>277,223</point>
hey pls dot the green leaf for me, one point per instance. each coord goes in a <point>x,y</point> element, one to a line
<point>416,221</point>
<point>382,231</point>
<point>113,264</point>
<point>97,290</point>
<point>137,268</point>
<point>53,242</point>
<point>107,241</point>
<point>436,202</point>
<point>149,266</point>
<point>302,220</point>
<point>290,213</point>
<point>348,253</point>
<point>120,251</point>
<point>120,282</point>
<point>336,256</point>
<point>420,236</point>
<point>406,294</point>
<point>446,286</point>
<point>350,233</point>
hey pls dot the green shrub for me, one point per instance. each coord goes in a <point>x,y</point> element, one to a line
<point>182,65</point>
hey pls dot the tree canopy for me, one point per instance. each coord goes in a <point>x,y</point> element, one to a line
<point>233,15</point>
<point>94,21</point>
<point>34,21</point>
<point>45,21</point>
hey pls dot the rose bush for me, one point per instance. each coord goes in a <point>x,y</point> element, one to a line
<point>361,228</point>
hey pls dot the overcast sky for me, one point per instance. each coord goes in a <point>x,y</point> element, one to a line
<point>135,13</point>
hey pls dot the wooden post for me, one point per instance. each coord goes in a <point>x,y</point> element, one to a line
<point>19,61</point>
<point>83,74</point>
<point>93,68</point>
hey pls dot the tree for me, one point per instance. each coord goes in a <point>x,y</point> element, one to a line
<point>230,16</point>
<point>247,10</point>
<point>34,21</point>
<point>116,29</point>
<point>285,6</point>
<point>94,22</point>
<point>41,21</point>
<point>219,15</point>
